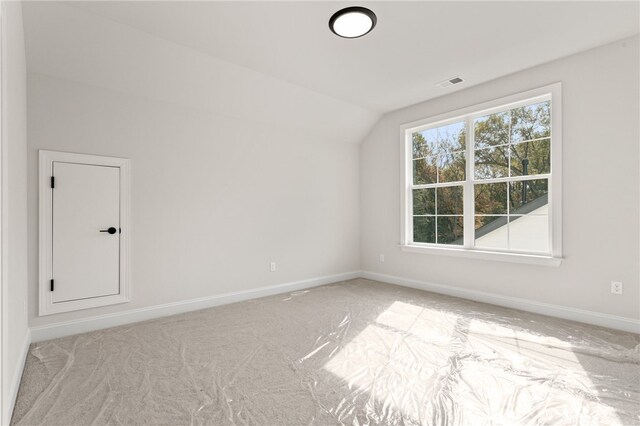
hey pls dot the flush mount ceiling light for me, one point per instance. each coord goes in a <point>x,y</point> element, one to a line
<point>352,22</point>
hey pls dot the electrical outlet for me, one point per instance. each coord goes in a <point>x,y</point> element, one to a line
<point>382,258</point>
<point>616,287</point>
<point>272,267</point>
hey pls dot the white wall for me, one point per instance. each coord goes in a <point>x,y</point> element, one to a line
<point>14,205</point>
<point>601,120</point>
<point>215,199</point>
<point>231,169</point>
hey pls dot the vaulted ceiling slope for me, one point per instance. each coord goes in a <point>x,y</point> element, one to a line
<point>414,46</point>
<point>347,83</point>
<point>74,45</point>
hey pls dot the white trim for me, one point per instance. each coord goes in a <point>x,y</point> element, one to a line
<point>479,110</point>
<point>46,160</point>
<point>6,404</point>
<point>67,328</point>
<point>4,328</point>
<point>17,377</point>
<point>555,187</point>
<point>558,311</point>
<point>532,259</point>
<point>552,92</point>
<point>469,205</point>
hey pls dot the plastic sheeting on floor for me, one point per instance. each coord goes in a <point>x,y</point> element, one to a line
<point>354,353</point>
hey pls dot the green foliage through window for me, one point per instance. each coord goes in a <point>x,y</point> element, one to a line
<point>513,143</point>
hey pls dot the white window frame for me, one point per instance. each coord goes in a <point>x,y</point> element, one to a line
<point>551,92</point>
<point>46,160</point>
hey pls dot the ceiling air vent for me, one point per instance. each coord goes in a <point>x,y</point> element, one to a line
<point>450,82</point>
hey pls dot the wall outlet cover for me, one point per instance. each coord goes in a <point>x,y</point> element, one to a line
<point>616,287</point>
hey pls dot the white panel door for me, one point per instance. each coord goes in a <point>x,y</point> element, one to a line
<point>85,254</point>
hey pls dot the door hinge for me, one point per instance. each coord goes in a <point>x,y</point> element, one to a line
<point>51,285</point>
<point>53,182</point>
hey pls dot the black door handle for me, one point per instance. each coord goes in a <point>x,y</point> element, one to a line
<point>111,230</point>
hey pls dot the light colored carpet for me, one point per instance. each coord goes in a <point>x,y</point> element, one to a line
<point>358,352</point>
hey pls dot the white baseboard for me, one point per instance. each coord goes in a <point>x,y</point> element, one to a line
<point>67,328</point>
<point>564,312</point>
<point>15,383</point>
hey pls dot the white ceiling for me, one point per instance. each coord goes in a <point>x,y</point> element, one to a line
<point>414,46</point>
<point>66,44</point>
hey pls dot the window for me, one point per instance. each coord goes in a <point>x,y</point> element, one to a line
<point>486,179</point>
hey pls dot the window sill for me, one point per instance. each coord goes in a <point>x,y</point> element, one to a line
<point>530,259</point>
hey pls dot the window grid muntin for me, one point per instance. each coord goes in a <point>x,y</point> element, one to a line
<point>470,180</point>
<point>439,154</point>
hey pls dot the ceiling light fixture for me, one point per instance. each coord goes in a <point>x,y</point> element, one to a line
<point>352,22</point>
